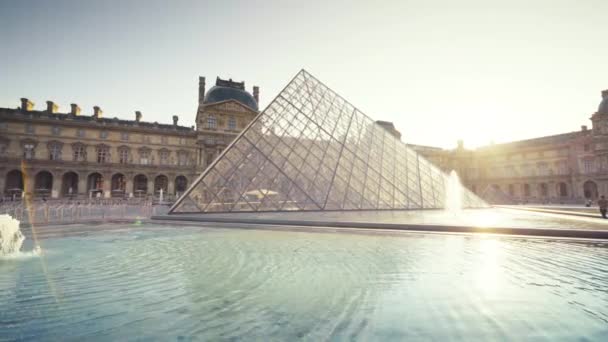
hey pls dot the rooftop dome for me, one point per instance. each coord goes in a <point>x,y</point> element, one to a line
<point>229,90</point>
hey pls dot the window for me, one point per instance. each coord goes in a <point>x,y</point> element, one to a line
<point>123,156</point>
<point>29,128</point>
<point>103,154</point>
<point>145,138</point>
<point>164,157</point>
<point>28,150</point>
<point>543,189</point>
<point>182,141</point>
<point>527,190</point>
<point>587,147</point>
<point>511,190</point>
<point>144,157</point>
<point>54,151</point>
<point>56,130</point>
<point>543,169</point>
<point>80,152</point>
<point>209,158</point>
<point>182,158</point>
<point>164,140</point>
<point>232,123</point>
<point>211,122</point>
<point>124,136</point>
<point>80,133</point>
<point>103,134</point>
<point>3,147</point>
<point>588,166</point>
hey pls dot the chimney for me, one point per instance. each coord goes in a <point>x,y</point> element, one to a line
<point>201,89</point>
<point>256,94</point>
<point>584,128</point>
<point>97,112</point>
<point>175,118</point>
<point>75,109</point>
<point>137,116</point>
<point>51,107</point>
<point>26,105</point>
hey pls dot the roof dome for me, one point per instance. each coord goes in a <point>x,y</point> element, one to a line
<point>222,93</point>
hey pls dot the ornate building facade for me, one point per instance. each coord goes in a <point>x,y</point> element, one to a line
<point>564,168</point>
<point>48,154</point>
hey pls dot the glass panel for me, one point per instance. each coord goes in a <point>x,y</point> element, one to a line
<point>312,150</point>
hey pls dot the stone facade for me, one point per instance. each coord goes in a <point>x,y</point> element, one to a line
<point>48,154</point>
<point>564,168</point>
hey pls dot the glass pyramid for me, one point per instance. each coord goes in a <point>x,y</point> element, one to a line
<point>311,150</point>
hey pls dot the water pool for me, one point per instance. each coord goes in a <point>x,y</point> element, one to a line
<point>179,283</point>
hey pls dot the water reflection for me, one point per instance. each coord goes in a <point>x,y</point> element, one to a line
<point>269,285</point>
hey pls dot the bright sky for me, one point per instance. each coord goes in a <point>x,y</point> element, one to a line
<point>478,70</point>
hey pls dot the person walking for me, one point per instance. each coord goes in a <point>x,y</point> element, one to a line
<point>603,204</point>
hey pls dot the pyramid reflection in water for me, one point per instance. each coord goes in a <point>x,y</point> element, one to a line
<point>312,150</point>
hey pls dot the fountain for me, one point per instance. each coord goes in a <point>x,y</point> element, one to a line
<point>453,194</point>
<point>11,238</point>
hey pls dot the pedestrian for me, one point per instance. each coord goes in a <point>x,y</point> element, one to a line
<point>603,204</point>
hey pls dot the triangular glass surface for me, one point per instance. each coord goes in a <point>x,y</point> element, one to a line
<point>311,150</point>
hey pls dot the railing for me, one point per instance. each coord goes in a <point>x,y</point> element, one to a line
<point>53,213</point>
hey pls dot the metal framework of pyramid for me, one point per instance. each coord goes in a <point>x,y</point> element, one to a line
<point>311,150</point>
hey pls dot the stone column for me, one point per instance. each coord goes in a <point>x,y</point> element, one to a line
<point>107,185</point>
<point>82,185</point>
<point>56,189</point>
<point>28,183</point>
<point>129,185</point>
<point>171,185</point>
<point>150,185</point>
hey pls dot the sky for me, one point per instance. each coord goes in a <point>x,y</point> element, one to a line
<point>478,70</point>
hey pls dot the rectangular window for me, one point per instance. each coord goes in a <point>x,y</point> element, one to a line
<point>56,130</point>
<point>211,122</point>
<point>182,158</point>
<point>28,151</point>
<point>164,157</point>
<point>210,158</point>
<point>182,141</point>
<point>103,134</point>
<point>80,153</point>
<point>103,155</point>
<point>232,123</point>
<point>3,149</point>
<point>124,136</point>
<point>144,157</point>
<point>123,156</point>
<point>80,133</point>
<point>588,166</point>
<point>29,128</point>
<point>55,152</point>
<point>164,140</point>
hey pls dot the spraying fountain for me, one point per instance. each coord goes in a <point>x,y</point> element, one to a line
<point>11,238</point>
<point>453,194</point>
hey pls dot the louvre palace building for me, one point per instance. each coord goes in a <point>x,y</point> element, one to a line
<point>565,168</point>
<point>49,153</point>
<point>46,153</point>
